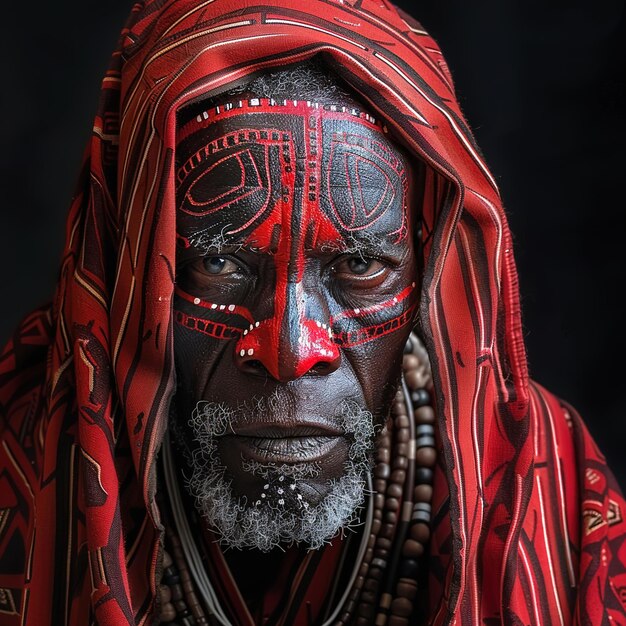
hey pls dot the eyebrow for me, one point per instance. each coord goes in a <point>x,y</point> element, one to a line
<point>213,243</point>
<point>363,243</point>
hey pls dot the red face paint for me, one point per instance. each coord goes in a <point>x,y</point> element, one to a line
<point>292,186</point>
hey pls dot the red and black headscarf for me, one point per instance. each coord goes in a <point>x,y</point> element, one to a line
<point>528,523</point>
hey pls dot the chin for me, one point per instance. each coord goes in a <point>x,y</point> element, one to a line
<point>263,492</point>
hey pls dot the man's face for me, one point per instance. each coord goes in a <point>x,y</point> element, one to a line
<point>296,290</point>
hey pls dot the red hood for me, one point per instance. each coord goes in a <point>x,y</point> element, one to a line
<point>108,391</point>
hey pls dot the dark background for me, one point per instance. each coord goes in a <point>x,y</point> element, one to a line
<point>542,85</point>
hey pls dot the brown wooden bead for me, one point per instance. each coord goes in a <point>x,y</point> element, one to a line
<point>380,553</point>
<point>388,531</point>
<point>369,553</point>
<point>392,504</point>
<point>380,485</point>
<point>423,493</point>
<point>168,612</point>
<point>391,518</point>
<point>420,532</point>
<point>376,524</point>
<point>415,379</point>
<point>425,415</point>
<point>398,476</point>
<point>381,619</point>
<point>371,542</point>
<point>167,560</point>
<point>382,470</point>
<point>384,543</point>
<point>403,435</point>
<point>402,421</point>
<point>394,491</point>
<point>368,597</point>
<point>177,593</point>
<point>366,615</point>
<point>381,564</point>
<point>410,362</point>
<point>378,514</point>
<point>406,588</point>
<point>186,582</point>
<point>401,607</point>
<point>412,549</point>
<point>426,457</point>
<point>383,456</point>
<point>400,462</point>
<point>370,585</point>
<point>402,449</point>
<point>379,500</point>
<point>166,594</point>
<point>398,409</point>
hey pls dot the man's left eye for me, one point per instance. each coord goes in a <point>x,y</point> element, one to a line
<point>358,267</point>
<point>218,266</point>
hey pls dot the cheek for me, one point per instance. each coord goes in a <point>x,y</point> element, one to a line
<point>372,323</point>
<point>200,344</point>
<point>377,366</point>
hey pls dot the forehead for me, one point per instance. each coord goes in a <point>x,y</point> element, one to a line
<point>252,164</point>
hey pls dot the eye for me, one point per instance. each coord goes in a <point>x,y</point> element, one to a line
<point>218,266</point>
<point>358,267</point>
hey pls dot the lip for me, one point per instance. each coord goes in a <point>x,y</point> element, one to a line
<point>285,430</point>
<point>303,445</point>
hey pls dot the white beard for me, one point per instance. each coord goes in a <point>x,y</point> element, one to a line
<point>282,515</point>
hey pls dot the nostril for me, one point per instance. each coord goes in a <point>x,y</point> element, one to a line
<point>320,368</point>
<point>255,364</point>
<point>252,366</point>
<point>323,368</point>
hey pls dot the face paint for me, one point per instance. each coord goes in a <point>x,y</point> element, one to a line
<point>290,180</point>
<point>296,276</point>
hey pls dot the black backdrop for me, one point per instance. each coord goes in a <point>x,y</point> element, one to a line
<point>542,85</point>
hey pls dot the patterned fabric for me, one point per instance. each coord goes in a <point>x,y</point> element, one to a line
<point>528,523</point>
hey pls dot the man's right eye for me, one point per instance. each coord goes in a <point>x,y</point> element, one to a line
<point>217,266</point>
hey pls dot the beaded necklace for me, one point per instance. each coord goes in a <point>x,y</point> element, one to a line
<point>390,567</point>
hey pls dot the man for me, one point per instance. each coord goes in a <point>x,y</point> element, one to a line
<point>245,259</point>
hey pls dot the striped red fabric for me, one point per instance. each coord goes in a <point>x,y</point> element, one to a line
<point>528,523</point>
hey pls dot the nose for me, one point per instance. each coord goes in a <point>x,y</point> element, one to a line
<point>288,349</point>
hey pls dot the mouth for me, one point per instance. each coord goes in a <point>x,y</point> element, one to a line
<point>278,443</point>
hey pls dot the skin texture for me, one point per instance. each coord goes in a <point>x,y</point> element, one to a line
<point>296,282</point>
